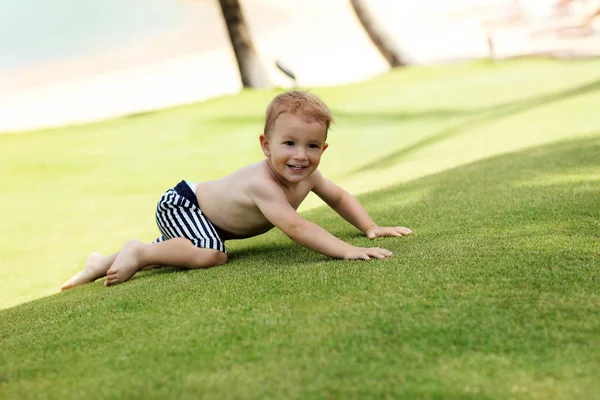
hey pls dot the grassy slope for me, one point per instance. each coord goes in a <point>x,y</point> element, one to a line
<point>495,295</point>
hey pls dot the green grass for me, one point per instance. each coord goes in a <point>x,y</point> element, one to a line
<point>496,295</point>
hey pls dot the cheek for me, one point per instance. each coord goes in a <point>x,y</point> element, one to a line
<point>281,154</point>
<point>315,158</point>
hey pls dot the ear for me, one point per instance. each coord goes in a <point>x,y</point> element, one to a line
<point>265,145</point>
<point>325,146</point>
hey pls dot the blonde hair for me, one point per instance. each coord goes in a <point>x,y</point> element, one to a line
<point>304,105</point>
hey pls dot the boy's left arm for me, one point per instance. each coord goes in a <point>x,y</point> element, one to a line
<point>349,208</point>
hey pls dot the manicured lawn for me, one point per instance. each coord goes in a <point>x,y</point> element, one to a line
<point>496,295</point>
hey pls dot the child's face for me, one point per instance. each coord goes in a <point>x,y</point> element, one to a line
<point>294,147</point>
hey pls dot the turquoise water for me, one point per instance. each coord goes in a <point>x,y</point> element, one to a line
<point>33,31</point>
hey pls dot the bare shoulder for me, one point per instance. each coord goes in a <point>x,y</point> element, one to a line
<point>251,174</point>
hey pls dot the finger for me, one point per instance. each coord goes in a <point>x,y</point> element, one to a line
<point>393,232</point>
<point>379,253</point>
<point>384,252</point>
<point>365,257</point>
<point>404,230</point>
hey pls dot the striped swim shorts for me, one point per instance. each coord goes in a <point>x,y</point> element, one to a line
<point>178,215</point>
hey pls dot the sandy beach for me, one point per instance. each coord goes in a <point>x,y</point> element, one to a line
<point>322,42</point>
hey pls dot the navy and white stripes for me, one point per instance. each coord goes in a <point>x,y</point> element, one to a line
<point>178,215</point>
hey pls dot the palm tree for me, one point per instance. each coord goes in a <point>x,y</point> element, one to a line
<point>252,72</point>
<point>378,36</point>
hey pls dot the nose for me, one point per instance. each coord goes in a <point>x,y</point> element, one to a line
<point>300,153</point>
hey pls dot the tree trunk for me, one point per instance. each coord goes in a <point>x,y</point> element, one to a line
<point>378,36</point>
<point>252,72</point>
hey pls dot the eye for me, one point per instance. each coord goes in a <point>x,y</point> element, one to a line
<point>288,143</point>
<point>313,146</point>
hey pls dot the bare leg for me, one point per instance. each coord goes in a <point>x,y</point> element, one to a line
<point>95,267</point>
<point>178,252</point>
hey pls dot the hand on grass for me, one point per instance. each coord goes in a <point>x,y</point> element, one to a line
<point>379,231</point>
<point>366,253</point>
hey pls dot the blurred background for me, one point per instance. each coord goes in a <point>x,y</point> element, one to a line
<point>68,61</point>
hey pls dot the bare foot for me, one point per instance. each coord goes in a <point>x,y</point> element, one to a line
<point>125,266</point>
<point>95,267</point>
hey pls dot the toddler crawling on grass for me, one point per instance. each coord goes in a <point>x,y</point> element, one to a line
<point>195,219</point>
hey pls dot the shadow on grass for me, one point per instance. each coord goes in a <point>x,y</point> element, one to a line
<point>399,116</point>
<point>231,121</point>
<point>497,193</point>
<point>288,251</point>
<point>478,118</point>
<point>239,255</point>
<point>477,202</point>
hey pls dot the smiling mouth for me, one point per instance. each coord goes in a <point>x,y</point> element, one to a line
<point>296,167</point>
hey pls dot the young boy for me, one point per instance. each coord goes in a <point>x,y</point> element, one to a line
<point>196,219</point>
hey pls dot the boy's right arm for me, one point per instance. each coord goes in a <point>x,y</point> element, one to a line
<point>273,204</point>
